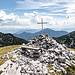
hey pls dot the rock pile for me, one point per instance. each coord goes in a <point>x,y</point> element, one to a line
<point>53,53</point>
<point>34,57</point>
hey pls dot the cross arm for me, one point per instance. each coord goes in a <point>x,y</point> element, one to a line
<point>42,23</point>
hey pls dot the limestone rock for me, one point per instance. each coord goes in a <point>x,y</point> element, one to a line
<point>34,57</point>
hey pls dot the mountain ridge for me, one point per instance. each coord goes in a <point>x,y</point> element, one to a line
<point>68,40</point>
<point>52,33</point>
<point>27,31</point>
<point>9,39</point>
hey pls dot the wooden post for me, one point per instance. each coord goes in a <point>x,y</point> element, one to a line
<point>42,24</point>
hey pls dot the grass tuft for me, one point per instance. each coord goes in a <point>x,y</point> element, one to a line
<point>74,58</point>
<point>71,49</point>
<point>5,50</point>
<point>61,73</point>
<point>11,65</point>
<point>16,68</point>
<point>51,73</point>
<point>70,70</point>
<point>51,67</point>
<point>1,71</point>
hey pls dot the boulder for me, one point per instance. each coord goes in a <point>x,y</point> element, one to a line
<point>61,59</point>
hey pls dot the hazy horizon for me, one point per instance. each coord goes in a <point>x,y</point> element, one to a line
<point>25,14</point>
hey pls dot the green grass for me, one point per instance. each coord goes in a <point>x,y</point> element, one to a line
<point>51,67</point>
<point>70,70</point>
<point>2,61</point>
<point>74,58</point>
<point>11,65</point>
<point>51,73</point>
<point>71,49</point>
<point>1,71</point>
<point>61,73</point>
<point>5,50</point>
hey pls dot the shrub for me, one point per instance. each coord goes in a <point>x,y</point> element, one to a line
<point>73,67</point>
<point>16,68</point>
<point>1,71</point>
<point>11,65</point>
<point>61,73</point>
<point>51,73</point>
<point>70,70</point>
<point>74,58</point>
<point>51,67</point>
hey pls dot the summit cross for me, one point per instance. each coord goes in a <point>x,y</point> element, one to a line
<point>42,24</point>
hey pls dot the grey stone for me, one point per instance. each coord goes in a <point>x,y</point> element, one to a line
<point>6,56</point>
<point>33,57</point>
<point>61,59</point>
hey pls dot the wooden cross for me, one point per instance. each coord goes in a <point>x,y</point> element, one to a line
<point>42,34</point>
<point>42,24</point>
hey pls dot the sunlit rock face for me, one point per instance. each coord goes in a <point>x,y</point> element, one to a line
<point>34,57</point>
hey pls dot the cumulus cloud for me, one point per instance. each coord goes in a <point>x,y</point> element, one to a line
<point>30,21</point>
<point>11,19</point>
<point>8,18</point>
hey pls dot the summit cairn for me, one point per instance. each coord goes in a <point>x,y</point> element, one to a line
<point>34,57</point>
<point>48,51</point>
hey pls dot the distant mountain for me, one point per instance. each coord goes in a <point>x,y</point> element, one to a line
<point>52,33</point>
<point>25,35</point>
<point>68,40</point>
<point>9,39</point>
<point>27,31</point>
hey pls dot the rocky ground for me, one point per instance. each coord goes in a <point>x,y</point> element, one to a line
<point>34,58</point>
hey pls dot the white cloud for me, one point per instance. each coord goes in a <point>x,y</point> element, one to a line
<point>71,8</point>
<point>31,4</point>
<point>11,19</point>
<point>3,15</point>
<point>8,18</point>
<point>53,6</point>
<point>28,4</point>
<point>30,20</point>
<point>64,0</point>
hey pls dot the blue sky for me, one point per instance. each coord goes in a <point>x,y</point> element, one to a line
<point>24,14</point>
